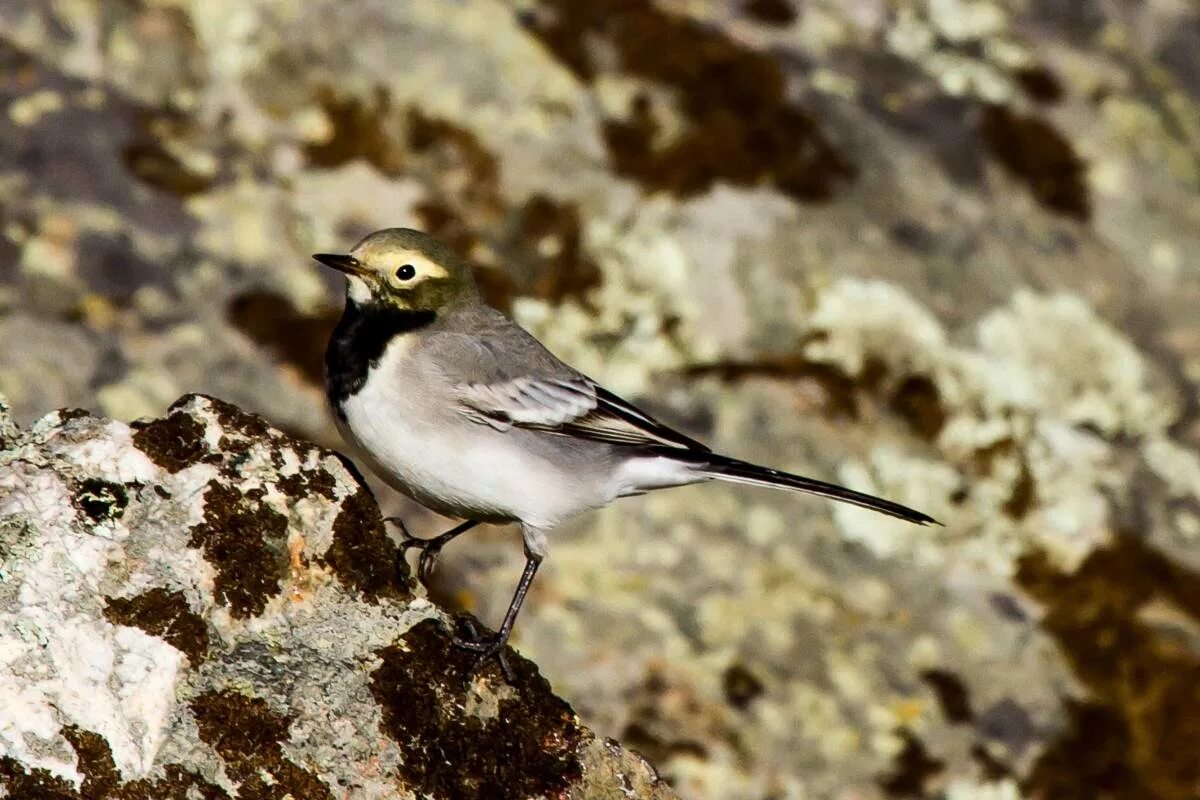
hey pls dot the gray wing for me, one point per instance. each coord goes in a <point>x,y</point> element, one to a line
<point>501,376</point>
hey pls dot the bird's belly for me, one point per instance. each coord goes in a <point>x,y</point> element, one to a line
<point>463,469</point>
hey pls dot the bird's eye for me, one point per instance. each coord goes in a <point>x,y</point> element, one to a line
<point>406,272</point>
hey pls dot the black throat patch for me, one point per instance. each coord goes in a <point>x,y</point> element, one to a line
<point>358,342</point>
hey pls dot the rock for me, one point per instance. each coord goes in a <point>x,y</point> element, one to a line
<point>203,606</point>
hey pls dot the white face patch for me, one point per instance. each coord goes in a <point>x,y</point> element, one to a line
<point>357,290</point>
<point>388,263</point>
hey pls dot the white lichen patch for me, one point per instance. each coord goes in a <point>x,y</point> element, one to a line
<point>876,319</point>
<point>966,789</point>
<point>1037,394</point>
<point>92,674</point>
<point>1176,465</point>
<point>32,107</point>
<point>1054,356</point>
<point>966,45</point>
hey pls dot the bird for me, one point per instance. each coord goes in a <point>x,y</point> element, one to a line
<point>455,405</point>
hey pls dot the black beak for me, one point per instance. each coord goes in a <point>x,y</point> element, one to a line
<point>346,264</point>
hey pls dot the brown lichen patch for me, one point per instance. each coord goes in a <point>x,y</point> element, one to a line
<point>658,748</point>
<point>99,500</point>
<point>1091,758</point>
<point>991,768</point>
<point>173,442</point>
<point>951,694</point>
<point>101,780</point>
<point>1024,493</point>
<point>912,769</point>
<point>244,540</point>
<point>449,227</point>
<point>235,421</point>
<point>247,735</point>
<point>740,127</point>
<point>1034,152</point>
<point>40,784</point>
<point>95,762</point>
<point>983,459</point>
<point>273,322</point>
<point>917,399</point>
<point>529,749</point>
<point>843,393</point>
<point>362,555</point>
<point>165,614</point>
<point>360,129</point>
<point>456,153</point>
<point>771,12</point>
<point>1023,496</point>
<point>740,686</point>
<point>550,232</point>
<point>840,390</point>
<point>1125,739</point>
<point>1039,84</point>
<point>176,783</point>
<point>149,156</point>
<point>307,482</point>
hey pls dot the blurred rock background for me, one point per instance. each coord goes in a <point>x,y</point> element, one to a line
<point>941,250</point>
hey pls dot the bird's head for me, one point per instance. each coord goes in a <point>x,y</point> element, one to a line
<point>405,269</point>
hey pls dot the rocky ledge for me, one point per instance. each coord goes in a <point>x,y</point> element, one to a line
<point>201,606</point>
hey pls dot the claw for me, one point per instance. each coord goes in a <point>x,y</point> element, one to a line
<point>429,556</point>
<point>430,548</point>
<point>488,646</point>
<point>407,540</point>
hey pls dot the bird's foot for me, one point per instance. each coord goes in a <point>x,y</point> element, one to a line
<point>430,549</point>
<point>487,644</point>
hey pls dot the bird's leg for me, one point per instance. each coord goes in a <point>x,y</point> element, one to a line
<point>489,645</point>
<point>430,548</point>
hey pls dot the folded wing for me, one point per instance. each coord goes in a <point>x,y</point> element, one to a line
<point>569,406</point>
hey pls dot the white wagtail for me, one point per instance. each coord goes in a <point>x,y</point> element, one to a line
<point>461,409</point>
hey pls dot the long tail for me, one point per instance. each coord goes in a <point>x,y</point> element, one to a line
<point>730,469</point>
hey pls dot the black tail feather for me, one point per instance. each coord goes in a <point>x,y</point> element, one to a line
<point>731,469</point>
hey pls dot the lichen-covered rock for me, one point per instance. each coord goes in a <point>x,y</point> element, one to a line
<point>203,606</point>
<point>942,249</point>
